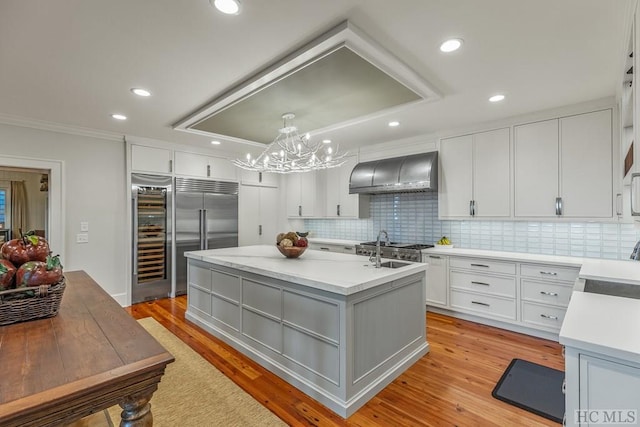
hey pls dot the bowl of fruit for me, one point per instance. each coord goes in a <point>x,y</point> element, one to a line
<point>444,242</point>
<point>291,244</point>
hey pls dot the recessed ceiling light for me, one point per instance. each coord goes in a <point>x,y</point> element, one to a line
<point>451,45</point>
<point>140,92</point>
<point>119,116</point>
<point>496,98</point>
<point>230,7</point>
<point>215,142</point>
<point>326,141</point>
<point>394,124</point>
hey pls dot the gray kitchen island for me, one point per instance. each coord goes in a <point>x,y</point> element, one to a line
<point>330,324</point>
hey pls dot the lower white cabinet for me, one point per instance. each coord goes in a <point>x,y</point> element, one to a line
<point>257,213</point>
<point>333,247</point>
<point>600,390</point>
<point>437,283</point>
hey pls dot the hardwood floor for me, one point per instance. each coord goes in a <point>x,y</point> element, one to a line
<point>450,386</point>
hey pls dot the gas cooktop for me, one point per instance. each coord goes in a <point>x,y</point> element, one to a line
<point>417,246</point>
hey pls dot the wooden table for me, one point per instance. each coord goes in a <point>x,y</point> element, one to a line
<point>91,356</point>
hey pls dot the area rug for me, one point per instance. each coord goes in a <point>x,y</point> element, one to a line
<point>532,387</point>
<point>192,392</point>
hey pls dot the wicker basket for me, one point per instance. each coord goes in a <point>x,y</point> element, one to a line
<point>36,302</point>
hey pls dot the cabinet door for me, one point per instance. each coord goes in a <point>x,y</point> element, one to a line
<point>263,179</point>
<point>248,215</point>
<point>437,290</point>
<point>333,182</point>
<point>222,169</point>
<point>492,174</point>
<point>150,159</point>
<point>608,385</point>
<point>191,164</point>
<point>268,215</point>
<point>349,203</point>
<point>311,194</point>
<point>294,204</point>
<point>586,165</point>
<point>456,172</point>
<point>536,169</point>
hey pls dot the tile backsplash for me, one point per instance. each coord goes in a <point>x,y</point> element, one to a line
<point>413,218</point>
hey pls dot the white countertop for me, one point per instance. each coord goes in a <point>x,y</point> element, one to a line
<point>603,324</point>
<point>338,273</point>
<point>508,256</point>
<point>621,271</point>
<point>333,241</point>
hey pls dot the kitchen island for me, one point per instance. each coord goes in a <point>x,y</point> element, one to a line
<point>332,325</point>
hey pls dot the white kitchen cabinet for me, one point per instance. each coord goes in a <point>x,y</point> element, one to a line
<point>262,179</point>
<point>151,159</point>
<point>333,247</point>
<point>563,167</point>
<point>199,165</point>
<point>475,175</point>
<point>338,202</point>
<point>437,283</point>
<point>600,390</point>
<point>257,213</point>
<point>305,195</point>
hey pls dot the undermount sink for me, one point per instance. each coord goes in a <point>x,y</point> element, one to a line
<point>394,264</point>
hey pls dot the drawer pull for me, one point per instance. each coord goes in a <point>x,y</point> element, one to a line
<point>546,316</point>
<point>479,265</point>
<point>481,303</point>
<point>434,257</point>
<point>481,283</point>
<point>324,249</point>
<point>347,248</point>
<point>551,294</point>
<point>564,386</point>
<point>549,273</point>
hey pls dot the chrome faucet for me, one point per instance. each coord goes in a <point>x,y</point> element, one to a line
<point>377,259</point>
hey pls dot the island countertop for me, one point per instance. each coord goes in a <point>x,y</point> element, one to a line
<point>338,273</point>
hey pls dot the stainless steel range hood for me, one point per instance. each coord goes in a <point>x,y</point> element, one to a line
<point>418,172</point>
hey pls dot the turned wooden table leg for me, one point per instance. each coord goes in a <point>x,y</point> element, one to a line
<point>136,410</point>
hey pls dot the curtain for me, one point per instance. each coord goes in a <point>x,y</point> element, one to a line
<point>19,208</point>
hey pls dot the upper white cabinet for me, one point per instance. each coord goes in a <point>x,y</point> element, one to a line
<point>563,167</point>
<point>263,179</point>
<point>475,175</point>
<point>198,165</point>
<point>338,202</point>
<point>151,159</point>
<point>305,195</point>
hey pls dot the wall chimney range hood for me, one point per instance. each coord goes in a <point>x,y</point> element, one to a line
<point>418,172</point>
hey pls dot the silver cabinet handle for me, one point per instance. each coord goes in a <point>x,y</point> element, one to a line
<point>473,210</point>
<point>634,185</point>
<point>299,210</point>
<point>260,177</point>
<point>549,273</point>
<point>208,170</point>
<point>260,230</point>
<point>546,316</point>
<point>324,249</point>
<point>558,206</point>
<point>481,303</point>
<point>618,204</point>
<point>433,256</point>
<point>338,210</point>
<point>480,283</point>
<point>135,225</point>
<point>479,265</point>
<point>170,165</point>
<point>470,207</point>
<point>551,294</point>
<point>347,248</point>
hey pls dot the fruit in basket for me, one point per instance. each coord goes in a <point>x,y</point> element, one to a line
<point>7,274</point>
<point>302,242</point>
<point>279,237</point>
<point>28,247</point>
<point>35,273</point>
<point>286,243</point>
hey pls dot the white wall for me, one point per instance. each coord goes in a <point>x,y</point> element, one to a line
<point>93,179</point>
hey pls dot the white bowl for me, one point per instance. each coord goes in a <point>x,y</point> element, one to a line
<point>443,246</point>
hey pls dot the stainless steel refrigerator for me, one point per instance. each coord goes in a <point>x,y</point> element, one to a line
<point>151,237</point>
<point>206,218</point>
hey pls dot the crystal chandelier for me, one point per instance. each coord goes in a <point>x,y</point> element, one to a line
<point>290,152</point>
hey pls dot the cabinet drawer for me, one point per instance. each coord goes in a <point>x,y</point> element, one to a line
<point>483,265</point>
<point>551,272</point>
<point>542,315</point>
<point>488,305</point>
<point>484,283</point>
<point>545,292</point>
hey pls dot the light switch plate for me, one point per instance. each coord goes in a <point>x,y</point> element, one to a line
<point>82,238</point>
<point>84,226</point>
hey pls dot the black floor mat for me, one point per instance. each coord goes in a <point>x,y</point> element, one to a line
<point>532,387</point>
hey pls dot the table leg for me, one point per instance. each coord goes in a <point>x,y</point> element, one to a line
<point>136,410</point>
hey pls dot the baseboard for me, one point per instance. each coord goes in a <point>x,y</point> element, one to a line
<point>121,299</point>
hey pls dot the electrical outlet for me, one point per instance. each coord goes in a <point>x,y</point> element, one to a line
<point>82,238</point>
<point>84,226</point>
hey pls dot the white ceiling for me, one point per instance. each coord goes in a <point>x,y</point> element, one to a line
<point>74,61</point>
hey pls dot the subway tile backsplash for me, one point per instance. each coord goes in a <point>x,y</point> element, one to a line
<point>413,218</point>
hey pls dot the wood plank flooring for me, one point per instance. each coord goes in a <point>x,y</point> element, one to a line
<point>450,386</point>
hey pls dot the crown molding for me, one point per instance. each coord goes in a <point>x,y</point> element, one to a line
<point>26,122</point>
